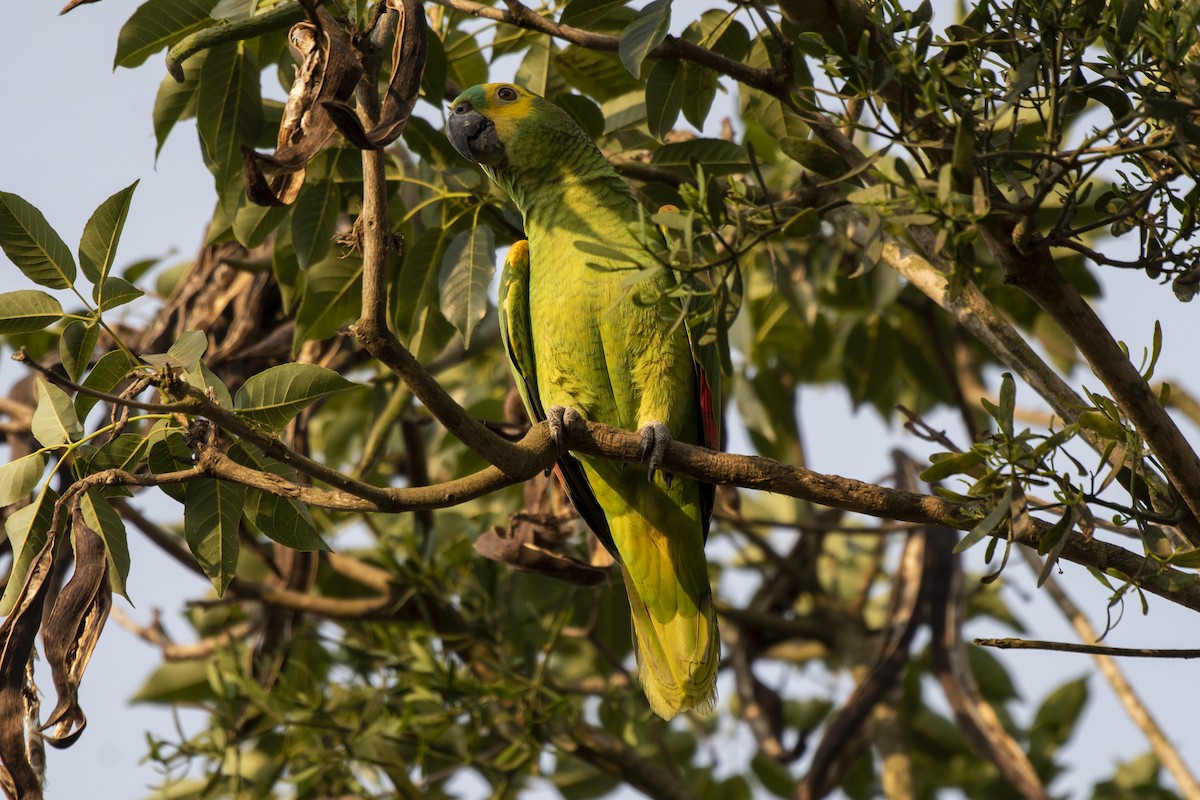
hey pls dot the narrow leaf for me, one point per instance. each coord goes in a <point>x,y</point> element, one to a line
<point>272,397</point>
<point>105,376</point>
<point>113,292</point>
<point>212,511</point>
<point>175,100</point>
<point>54,421</point>
<point>332,297</point>
<point>644,34</point>
<point>718,156</point>
<point>101,234</point>
<point>467,270</point>
<point>314,221</point>
<point>18,478</point>
<point>76,346</point>
<point>27,529</point>
<point>987,524</point>
<point>664,97</point>
<point>228,115</point>
<point>157,24</point>
<point>101,517</point>
<point>28,310</point>
<point>31,244</point>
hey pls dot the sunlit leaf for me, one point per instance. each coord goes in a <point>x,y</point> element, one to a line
<point>157,24</point>
<point>30,243</point>
<point>272,397</point>
<point>18,478</point>
<point>212,512</point>
<point>54,420</point>
<point>466,276</point>
<point>27,310</point>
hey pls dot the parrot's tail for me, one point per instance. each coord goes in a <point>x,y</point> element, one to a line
<point>678,650</point>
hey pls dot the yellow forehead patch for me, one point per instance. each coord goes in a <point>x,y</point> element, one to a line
<point>506,114</point>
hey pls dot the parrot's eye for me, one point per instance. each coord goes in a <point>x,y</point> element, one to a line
<point>506,93</point>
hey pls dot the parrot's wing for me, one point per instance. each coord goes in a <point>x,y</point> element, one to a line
<point>516,335</point>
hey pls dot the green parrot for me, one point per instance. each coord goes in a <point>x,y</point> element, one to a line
<point>590,336</point>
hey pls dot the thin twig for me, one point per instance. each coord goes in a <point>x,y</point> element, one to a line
<point>1089,649</point>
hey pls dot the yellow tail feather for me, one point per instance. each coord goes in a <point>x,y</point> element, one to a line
<point>677,657</point>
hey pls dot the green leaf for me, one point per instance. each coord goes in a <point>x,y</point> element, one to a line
<point>28,310</point>
<point>101,234</point>
<point>943,465</point>
<point>101,518</point>
<point>228,115</point>
<point>285,520</point>
<point>586,113</point>
<point>596,73</point>
<point>644,34</point>
<point>869,361</point>
<point>212,511</point>
<point>272,397</point>
<point>105,376</point>
<point>332,297</point>
<point>54,421</point>
<point>27,529</point>
<point>699,91</point>
<point>207,381</point>
<point>816,156</point>
<point>170,454</point>
<point>314,221</point>
<point>31,244</point>
<point>988,524</point>
<point>252,224</point>
<point>124,452</point>
<point>157,24</point>
<point>416,288</point>
<point>176,682</point>
<point>718,156</point>
<point>664,97</point>
<point>18,478</point>
<point>176,100</point>
<point>76,346</point>
<point>114,292</point>
<point>466,275</point>
<point>1055,719</point>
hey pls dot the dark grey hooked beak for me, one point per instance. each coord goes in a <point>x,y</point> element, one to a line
<point>473,135</point>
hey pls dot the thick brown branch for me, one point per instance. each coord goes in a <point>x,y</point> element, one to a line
<point>609,754</point>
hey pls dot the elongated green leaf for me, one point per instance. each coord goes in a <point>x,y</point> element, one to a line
<point>285,520</point>
<point>17,478</point>
<point>718,156</point>
<point>988,524</point>
<point>596,73</point>
<point>212,511</point>
<point>253,224</point>
<point>157,24</point>
<point>124,452</point>
<point>54,420</point>
<point>27,310</point>
<point>170,454</point>
<point>101,234</point>
<point>76,346</point>
<point>113,292</point>
<point>699,91</point>
<point>332,297</point>
<point>189,348</point>
<point>274,396</point>
<point>176,100</point>
<point>466,275</point>
<point>105,376</point>
<point>314,221</point>
<point>417,285</point>
<point>644,34</point>
<point>228,115</point>
<point>102,518</point>
<point>946,464</point>
<point>176,682</point>
<point>27,529</point>
<point>664,97</point>
<point>31,244</point>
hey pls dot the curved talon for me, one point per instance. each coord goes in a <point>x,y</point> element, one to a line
<point>562,419</point>
<point>655,438</point>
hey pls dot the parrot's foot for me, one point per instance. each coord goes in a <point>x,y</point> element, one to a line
<point>561,419</point>
<point>655,438</point>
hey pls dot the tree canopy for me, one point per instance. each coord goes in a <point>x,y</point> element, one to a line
<point>915,206</point>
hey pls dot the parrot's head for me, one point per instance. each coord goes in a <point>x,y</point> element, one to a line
<point>502,125</point>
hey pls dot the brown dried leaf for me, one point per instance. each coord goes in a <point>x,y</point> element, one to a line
<point>494,544</point>
<point>20,766</point>
<point>408,65</point>
<point>73,629</point>
<point>328,73</point>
